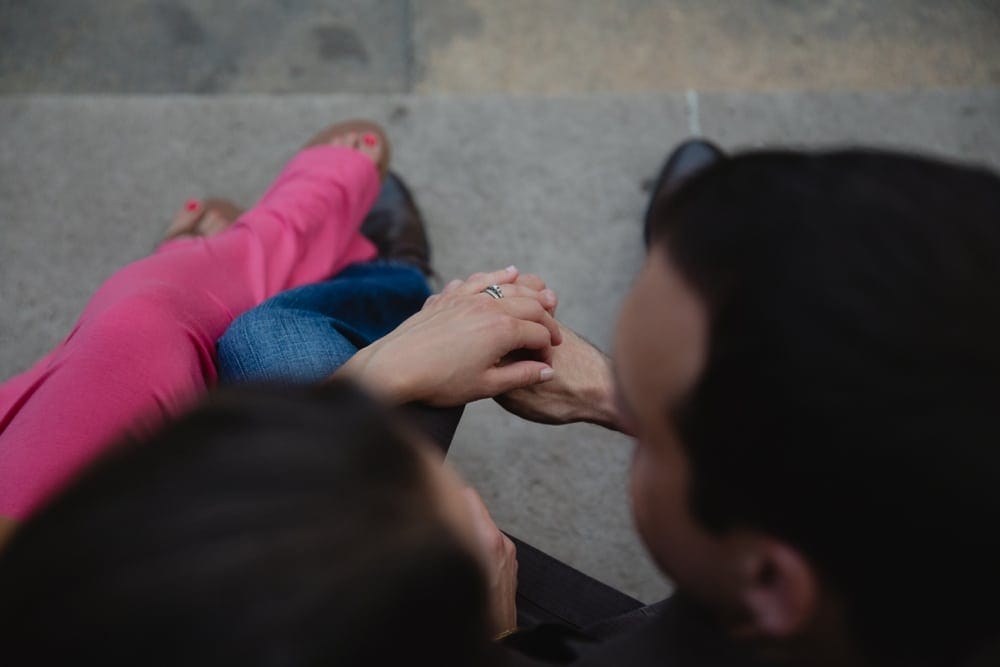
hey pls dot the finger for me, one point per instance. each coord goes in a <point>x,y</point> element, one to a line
<point>528,309</point>
<point>502,379</point>
<point>545,297</point>
<point>476,504</point>
<point>531,280</point>
<point>477,282</point>
<point>514,340</point>
<point>485,527</point>
<point>529,336</point>
<point>535,282</point>
<point>451,286</point>
<point>510,548</point>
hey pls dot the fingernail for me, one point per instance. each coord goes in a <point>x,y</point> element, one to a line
<point>546,374</point>
<point>550,296</point>
<point>511,269</point>
<point>192,204</point>
<point>369,139</point>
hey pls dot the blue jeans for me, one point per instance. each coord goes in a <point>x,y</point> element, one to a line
<point>305,334</point>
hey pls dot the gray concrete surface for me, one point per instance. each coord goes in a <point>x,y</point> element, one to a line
<point>204,46</point>
<point>211,46</point>
<point>551,183</point>
<point>643,45</point>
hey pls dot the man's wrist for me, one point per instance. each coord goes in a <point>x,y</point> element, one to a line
<point>597,405</point>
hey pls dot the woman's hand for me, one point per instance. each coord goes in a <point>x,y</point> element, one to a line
<point>449,353</point>
<point>499,557</point>
<point>527,284</point>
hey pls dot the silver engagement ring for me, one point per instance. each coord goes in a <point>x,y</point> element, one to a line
<point>494,291</point>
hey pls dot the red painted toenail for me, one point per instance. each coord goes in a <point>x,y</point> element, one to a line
<point>370,139</point>
<point>192,204</point>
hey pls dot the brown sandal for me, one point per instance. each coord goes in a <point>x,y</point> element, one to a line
<point>361,127</point>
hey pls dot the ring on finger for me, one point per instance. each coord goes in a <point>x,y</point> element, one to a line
<point>494,291</point>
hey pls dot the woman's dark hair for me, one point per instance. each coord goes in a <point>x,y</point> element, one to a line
<point>266,527</point>
<point>851,399</point>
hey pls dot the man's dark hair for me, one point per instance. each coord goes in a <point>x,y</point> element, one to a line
<point>851,399</point>
<point>267,527</point>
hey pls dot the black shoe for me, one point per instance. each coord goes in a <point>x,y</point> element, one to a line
<point>692,157</point>
<point>395,226</point>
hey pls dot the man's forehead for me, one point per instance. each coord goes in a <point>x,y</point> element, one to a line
<point>662,336</point>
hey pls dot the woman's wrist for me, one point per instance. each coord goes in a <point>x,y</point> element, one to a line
<point>385,381</point>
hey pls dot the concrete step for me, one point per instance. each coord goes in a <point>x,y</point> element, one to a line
<point>553,184</point>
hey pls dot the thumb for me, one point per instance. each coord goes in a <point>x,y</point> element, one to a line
<point>518,374</point>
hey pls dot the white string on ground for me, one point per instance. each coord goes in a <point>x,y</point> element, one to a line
<point>693,114</point>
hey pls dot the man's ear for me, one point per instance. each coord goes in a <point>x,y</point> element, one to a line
<point>779,590</point>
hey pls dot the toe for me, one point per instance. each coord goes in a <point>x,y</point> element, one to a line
<point>371,145</point>
<point>186,219</point>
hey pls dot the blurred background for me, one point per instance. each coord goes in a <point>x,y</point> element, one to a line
<point>528,130</point>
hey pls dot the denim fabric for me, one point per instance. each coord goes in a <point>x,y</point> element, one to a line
<point>305,334</point>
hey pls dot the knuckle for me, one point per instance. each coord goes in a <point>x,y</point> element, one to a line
<point>534,280</point>
<point>507,325</point>
<point>479,304</point>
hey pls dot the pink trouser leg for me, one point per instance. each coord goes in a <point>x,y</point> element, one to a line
<point>143,348</point>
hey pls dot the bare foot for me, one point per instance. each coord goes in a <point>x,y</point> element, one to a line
<point>365,143</point>
<point>202,218</point>
<point>364,136</point>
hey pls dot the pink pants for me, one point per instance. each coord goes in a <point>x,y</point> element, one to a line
<point>144,347</point>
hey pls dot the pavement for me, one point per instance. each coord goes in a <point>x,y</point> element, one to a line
<point>528,131</point>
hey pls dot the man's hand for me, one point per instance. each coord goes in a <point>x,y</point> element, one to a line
<point>449,353</point>
<point>499,557</point>
<point>582,389</point>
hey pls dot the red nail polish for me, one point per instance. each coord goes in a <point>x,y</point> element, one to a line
<point>370,139</point>
<point>192,205</point>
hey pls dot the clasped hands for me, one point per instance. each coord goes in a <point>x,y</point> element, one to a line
<point>464,345</point>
